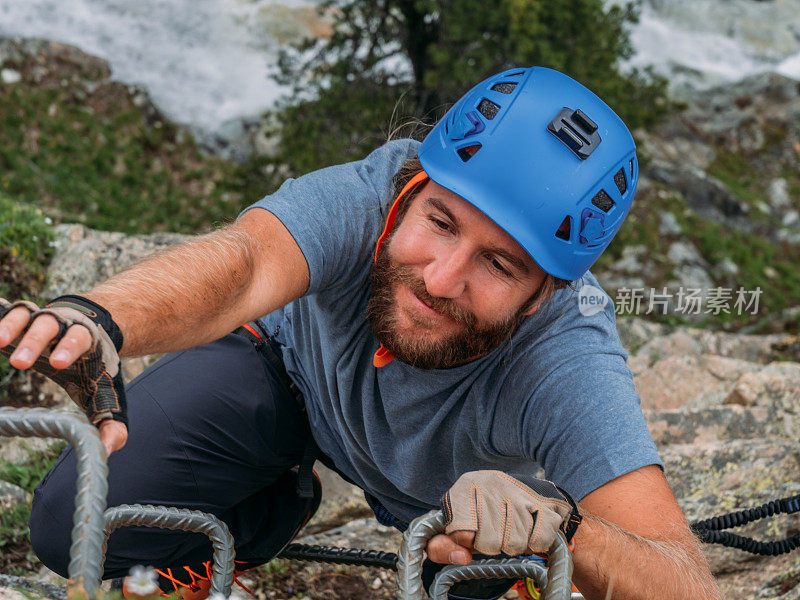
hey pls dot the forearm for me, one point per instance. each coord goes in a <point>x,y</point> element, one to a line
<point>637,568</point>
<point>187,295</point>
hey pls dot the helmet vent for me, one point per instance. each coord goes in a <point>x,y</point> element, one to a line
<point>619,179</point>
<point>603,201</point>
<point>468,152</point>
<point>563,230</point>
<point>488,109</point>
<point>504,88</point>
<point>518,74</point>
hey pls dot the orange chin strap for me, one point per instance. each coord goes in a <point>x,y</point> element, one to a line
<point>382,356</point>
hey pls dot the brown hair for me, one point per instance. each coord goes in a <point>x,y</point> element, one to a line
<point>411,167</point>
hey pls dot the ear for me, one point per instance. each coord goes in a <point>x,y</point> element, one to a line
<point>534,308</point>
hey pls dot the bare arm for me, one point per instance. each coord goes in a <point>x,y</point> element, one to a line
<point>205,287</point>
<point>635,539</point>
<point>190,294</point>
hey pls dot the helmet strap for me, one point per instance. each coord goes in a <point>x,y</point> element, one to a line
<point>383,356</point>
<point>390,218</point>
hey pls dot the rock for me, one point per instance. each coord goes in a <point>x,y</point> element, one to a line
<point>360,533</point>
<point>777,387</point>
<point>720,117</point>
<point>668,224</point>
<point>84,257</point>
<point>630,263</point>
<point>719,477</point>
<point>14,588</point>
<point>689,381</point>
<point>682,253</point>
<point>341,502</point>
<point>763,207</point>
<point>633,331</point>
<point>790,217</point>
<point>10,76</point>
<point>610,281</point>
<point>691,276</point>
<point>12,494</point>
<point>706,195</point>
<point>778,193</point>
<point>691,340</point>
<point>17,449</point>
<point>727,267</point>
<point>706,425</point>
<point>784,235</point>
<point>675,140</point>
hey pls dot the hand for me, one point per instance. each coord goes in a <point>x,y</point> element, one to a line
<point>67,341</point>
<point>493,513</point>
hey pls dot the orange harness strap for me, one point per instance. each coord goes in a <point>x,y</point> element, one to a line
<point>383,357</point>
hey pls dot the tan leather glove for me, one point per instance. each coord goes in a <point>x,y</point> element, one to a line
<point>506,515</point>
<point>94,381</point>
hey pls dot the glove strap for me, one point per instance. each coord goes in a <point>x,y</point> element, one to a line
<point>570,526</point>
<point>94,311</point>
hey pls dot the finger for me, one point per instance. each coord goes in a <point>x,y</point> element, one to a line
<point>13,324</point>
<point>463,538</point>
<point>113,434</point>
<point>39,335</point>
<point>76,341</point>
<point>442,549</point>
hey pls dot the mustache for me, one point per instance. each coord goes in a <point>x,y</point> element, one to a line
<point>444,306</point>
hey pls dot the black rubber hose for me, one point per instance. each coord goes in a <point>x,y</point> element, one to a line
<point>710,530</point>
<point>341,556</point>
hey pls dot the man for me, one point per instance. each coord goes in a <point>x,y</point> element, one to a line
<point>439,351</point>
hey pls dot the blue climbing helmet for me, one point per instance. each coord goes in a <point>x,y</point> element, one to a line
<point>544,158</point>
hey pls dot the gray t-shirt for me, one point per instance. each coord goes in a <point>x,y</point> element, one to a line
<point>557,394</point>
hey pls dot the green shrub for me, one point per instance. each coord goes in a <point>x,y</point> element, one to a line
<point>85,152</point>
<point>30,471</point>
<point>25,249</point>
<point>351,92</point>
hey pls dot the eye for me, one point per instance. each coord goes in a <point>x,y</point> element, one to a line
<point>440,224</point>
<point>499,267</point>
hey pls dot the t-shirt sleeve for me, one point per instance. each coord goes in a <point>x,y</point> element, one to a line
<point>335,214</point>
<point>581,420</point>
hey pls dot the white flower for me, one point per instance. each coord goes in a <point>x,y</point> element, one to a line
<point>48,221</point>
<point>141,581</point>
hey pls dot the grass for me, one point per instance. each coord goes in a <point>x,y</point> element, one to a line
<point>80,148</point>
<point>16,555</point>
<point>762,263</point>
<point>30,471</point>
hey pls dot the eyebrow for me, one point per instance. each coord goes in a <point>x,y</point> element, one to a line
<point>513,260</point>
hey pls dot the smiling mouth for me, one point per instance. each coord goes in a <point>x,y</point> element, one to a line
<point>423,307</point>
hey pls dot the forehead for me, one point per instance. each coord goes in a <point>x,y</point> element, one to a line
<point>470,220</point>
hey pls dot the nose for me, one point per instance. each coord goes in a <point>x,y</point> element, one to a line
<point>446,275</point>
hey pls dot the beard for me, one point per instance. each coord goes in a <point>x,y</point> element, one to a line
<point>471,341</point>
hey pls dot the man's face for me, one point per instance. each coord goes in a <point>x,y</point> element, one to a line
<point>449,285</point>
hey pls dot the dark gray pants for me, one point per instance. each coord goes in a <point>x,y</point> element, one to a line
<point>213,428</point>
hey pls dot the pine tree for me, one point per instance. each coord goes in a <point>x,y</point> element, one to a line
<point>391,61</point>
